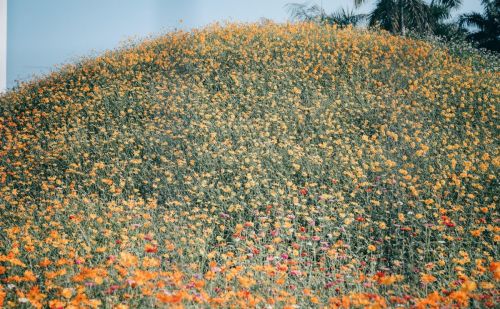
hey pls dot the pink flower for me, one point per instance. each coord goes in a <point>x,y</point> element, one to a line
<point>295,273</point>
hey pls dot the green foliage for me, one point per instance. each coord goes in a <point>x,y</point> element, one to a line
<point>487,25</point>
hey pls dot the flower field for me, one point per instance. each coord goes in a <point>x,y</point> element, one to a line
<point>255,165</point>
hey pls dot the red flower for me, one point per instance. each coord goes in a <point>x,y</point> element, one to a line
<point>303,191</point>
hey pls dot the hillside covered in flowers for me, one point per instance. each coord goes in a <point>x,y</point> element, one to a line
<point>254,165</point>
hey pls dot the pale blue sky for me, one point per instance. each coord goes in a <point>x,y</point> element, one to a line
<point>46,33</point>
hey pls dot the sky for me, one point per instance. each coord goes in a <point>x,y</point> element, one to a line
<point>43,34</point>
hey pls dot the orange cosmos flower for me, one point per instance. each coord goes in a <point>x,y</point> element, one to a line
<point>2,296</point>
<point>427,278</point>
<point>495,269</point>
<point>173,298</point>
<point>128,259</point>
<point>150,248</point>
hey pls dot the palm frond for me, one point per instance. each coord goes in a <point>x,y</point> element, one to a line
<point>472,19</point>
<point>487,34</point>
<point>358,3</point>
<point>385,15</point>
<point>439,12</point>
<point>450,4</point>
<point>344,17</point>
<point>304,12</point>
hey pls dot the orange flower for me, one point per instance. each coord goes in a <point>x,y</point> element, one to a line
<point>427,278</point>
<point>388,280</point>
<point>56,304</point>
<point>476,233</point>
<point>209,275</point>
<point>495,269</point>
<point>35,297</point>
<point>461,297</point>
<point>2,296</point>
<point>150,248</point>
<point>432,300</point>
<point>150,262</point>
<point>314,300</point>
<point>141,277</point>
<point>246,282</point>
<point>11,259</point>
<point>173,298</point>
<point>128,259</point>
<point>67,293</point>
<point>29,276</point>
<point>107,181</point>
<point>468,286</point>
<point>45,262</point>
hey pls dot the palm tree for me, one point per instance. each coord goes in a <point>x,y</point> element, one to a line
<point>304,12</point>
<point>342,18</point>
<point>398,16</point>
<point>488,25</point>
<point>440,13</point>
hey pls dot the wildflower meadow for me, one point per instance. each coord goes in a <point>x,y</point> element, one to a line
<point>254,165</point>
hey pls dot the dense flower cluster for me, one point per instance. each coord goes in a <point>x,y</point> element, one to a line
<point>254,165</point>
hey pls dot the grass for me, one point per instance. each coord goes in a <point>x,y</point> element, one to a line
<point>254,165</point>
